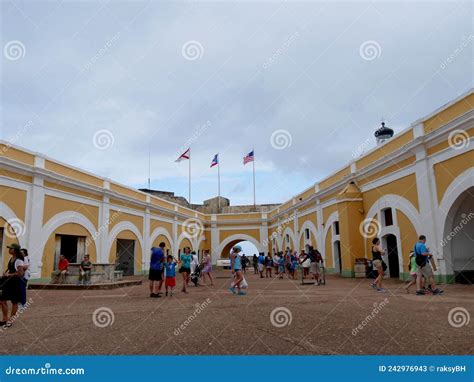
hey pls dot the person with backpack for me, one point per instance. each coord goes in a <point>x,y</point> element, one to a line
<point>422,258</point>
<point>378,263</point>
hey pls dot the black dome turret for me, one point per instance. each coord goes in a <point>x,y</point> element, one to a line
<point>383,133</point>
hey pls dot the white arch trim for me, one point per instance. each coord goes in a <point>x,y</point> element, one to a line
<point>334,217</point>
<point>241,237</point>
<point>312,228</point>
<point>62,218</point>
<point>399,203</point>
<point>462,182</point>
<point>290,232</point>
<point>192,240</point>
<point>161,231</point>
<point>10,216</point>
<point>124,226</point>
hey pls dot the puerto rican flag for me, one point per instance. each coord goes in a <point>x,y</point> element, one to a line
<point>215,161</point>
<point>184,156</point>
<point>249,157</point>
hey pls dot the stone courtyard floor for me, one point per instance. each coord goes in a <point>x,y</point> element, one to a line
<point>306,320</point>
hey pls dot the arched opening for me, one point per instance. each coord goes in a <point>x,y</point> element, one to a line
<point>458,239</point>
<point>248,248</point>
<point>390,243</point>
<point>337,257</point>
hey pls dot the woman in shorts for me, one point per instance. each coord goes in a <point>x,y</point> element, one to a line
<point>377,261</point>
<point>185,269</point>
<point>207,267</point>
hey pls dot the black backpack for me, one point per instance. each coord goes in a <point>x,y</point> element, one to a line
<point>419,258</point>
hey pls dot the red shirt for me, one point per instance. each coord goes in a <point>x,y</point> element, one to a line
<point>63,264</point>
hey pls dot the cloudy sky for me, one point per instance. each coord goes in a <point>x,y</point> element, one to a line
<point>97,84</point>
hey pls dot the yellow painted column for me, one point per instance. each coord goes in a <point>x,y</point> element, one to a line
<point>351,213</point>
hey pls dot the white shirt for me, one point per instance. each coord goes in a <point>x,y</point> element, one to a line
<point>26,263</point>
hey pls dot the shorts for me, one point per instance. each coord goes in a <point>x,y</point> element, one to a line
<point>170,282</point>
<point>184,269</point>
<point>260,267</point>
<point>425,271</point>
<point>377,264</point>
<point>155,275</point>
<point>314,268</point>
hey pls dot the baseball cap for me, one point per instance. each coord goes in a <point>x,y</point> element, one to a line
<point>14,246</point>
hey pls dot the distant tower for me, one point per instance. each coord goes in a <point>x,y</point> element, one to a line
<point>383,133</point>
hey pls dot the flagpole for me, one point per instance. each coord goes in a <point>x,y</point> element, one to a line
<point>218,181</point>
<point>254,203</point>
<point>190,175</point>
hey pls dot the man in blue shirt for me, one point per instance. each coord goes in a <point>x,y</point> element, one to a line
<point>261,263</point>
<point>423,256</point>
<point>156,270</point>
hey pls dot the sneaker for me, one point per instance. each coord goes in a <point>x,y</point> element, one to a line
<point>156,296</point>
<point>241,293</point>
<point>420,293</point>
<point>232,290</point>
<point>373,286</point>
<point>438,291</point>
<point>381,290</point>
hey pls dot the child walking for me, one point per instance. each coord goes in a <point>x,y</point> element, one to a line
<point>170,281</point>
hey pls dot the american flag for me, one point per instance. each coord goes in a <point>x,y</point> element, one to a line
<point>249,157</point>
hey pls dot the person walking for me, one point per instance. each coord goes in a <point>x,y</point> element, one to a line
<point>378,263</point>
<point>11,285</point>
<point>185,268</point>
<point>236,266</point>
<point>207,267</point>
<point>170,269</point>
<point>268,266</point>
<point>422,258</point>
<point>26,275</point>
<point>412,270</point>
<point>255,264</point>
<point>244,263</point>
<point>261,264</point>
<point>155,274</point>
